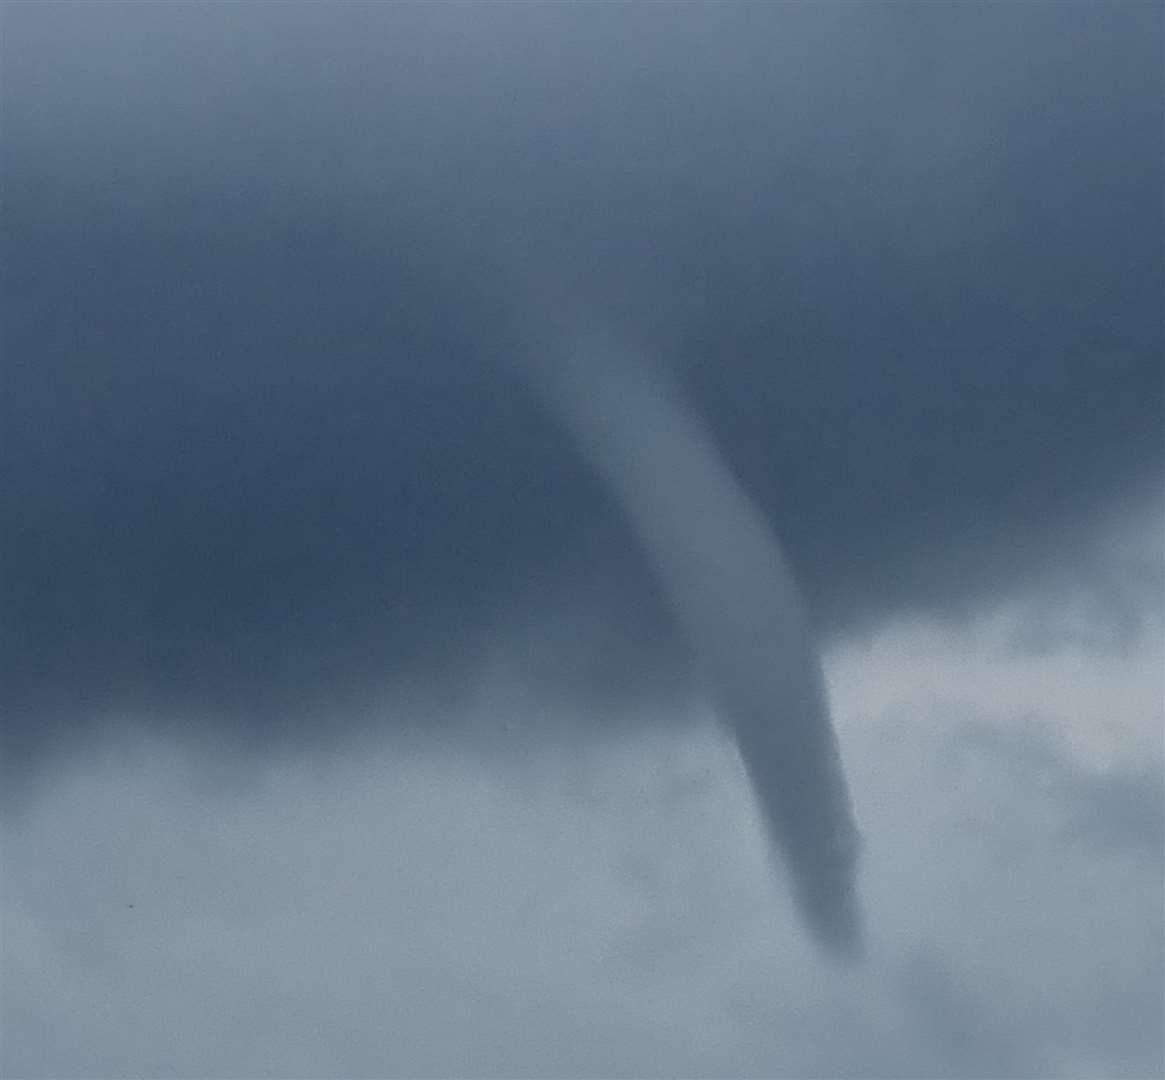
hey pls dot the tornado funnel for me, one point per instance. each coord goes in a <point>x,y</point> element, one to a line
<point>731,589</point>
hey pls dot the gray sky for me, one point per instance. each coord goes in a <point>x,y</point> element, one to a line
<point>321,645</point>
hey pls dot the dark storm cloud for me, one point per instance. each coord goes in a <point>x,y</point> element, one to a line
<point>267,268</point>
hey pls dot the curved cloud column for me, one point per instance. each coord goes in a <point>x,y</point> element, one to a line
<point>731,589</point>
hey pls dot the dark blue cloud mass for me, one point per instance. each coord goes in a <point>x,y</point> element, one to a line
<point>263,443</point>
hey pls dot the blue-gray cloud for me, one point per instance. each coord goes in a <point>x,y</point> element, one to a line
<point>265,266</point>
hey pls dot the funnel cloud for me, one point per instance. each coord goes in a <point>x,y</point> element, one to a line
<point>731,588</point>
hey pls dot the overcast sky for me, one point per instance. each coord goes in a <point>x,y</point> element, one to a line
<point>347,728</point>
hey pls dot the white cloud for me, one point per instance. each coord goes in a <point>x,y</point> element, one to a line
<point>1096,674</point>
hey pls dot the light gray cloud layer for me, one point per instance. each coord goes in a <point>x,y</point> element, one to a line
<point>598,911</point>
<point>571,907</point>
